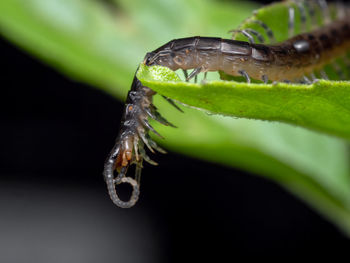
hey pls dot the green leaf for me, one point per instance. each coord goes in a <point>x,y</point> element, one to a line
<point>314,166</point>
<point>102,45</point>
<point>323,106</point>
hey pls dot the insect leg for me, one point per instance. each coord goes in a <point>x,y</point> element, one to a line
<point>204,80</point>
<point>136,148</point>
<point>146,157</point>
<point>245,33</point>
<point>194,73</point>
<point>324,75</point>
<point>205,75</point>
<point>172,103</point>
<point>306,80</point>
<point>162,120</point>
<point>245,75</point>
<point>265,79</point>
<point>268,30</point>
<point>185,74</point>
<point>145,141</point>
<point>156,116</point>
<point>138,169</point>
<point>154,145</point>
<point>149,126</point>
<point>313,77</point>
<point>259,36</point>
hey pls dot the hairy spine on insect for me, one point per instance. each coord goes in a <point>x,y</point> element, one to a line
<point>294,60</point>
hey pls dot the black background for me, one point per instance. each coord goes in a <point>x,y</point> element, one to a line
<point>55,134</point>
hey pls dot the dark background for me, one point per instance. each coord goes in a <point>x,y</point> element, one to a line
<point>54,136</point>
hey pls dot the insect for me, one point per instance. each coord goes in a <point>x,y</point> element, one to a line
<point>129,148</point>
<point>300,59</point>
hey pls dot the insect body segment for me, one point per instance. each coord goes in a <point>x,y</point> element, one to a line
<point>129,148</point>
<point>290,60</point>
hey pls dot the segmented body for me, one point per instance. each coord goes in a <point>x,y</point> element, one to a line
<point>289,60</point>
<point>294,60</point>
<point>129,148</point>
<point>126,151</point>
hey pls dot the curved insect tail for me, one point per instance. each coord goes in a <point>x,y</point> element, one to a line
<point>112,182</point>
<point>129,147</point>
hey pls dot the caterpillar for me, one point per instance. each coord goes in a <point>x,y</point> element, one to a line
<point>300,58</point>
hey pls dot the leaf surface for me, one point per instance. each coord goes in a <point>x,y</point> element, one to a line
<point>323,106</point>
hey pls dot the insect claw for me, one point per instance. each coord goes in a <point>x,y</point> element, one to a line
<point>148,125</point>
<point>173,103</point>
<point>150,113</point>
<point>144,139</point>
<point>162,120</point>
<point>313,77</point>
<point>185,74</point>
<point>153,108</point>
<point>156,116</point>
<point>265,79</point>
<point>149,160</point>
<point>146,157</point>
<point>154,145</point>
<point>194,73</point>
<point>136,142</point>
<point>245,75</point>
<point>138,172</point>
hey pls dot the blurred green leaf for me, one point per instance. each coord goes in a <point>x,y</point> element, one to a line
<point>102,44</point>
